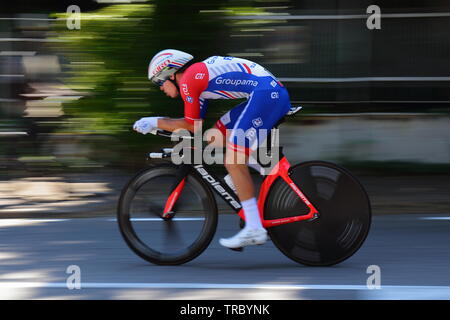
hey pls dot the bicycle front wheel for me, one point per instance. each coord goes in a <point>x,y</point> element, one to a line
<point>170,241</point>
<point>344,214</point>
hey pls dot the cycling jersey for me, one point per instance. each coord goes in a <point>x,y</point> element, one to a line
<point>234,78</point>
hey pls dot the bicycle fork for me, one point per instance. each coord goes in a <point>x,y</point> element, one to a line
<point>175,192</point>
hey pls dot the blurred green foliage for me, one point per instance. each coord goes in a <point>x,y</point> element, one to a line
<point>107,60</point>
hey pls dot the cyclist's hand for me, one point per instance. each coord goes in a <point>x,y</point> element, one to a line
<point>145,125</point>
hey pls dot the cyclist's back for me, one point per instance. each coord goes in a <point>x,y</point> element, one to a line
<point>238,76</point>
<point>221,77</point>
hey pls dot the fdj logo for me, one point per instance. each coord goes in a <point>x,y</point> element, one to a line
<point>257,122</point>
<point>189,99</point>
<point>274,95</point>
<point>185,89</point>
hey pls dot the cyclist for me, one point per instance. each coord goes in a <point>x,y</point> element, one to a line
<point>222,77</point>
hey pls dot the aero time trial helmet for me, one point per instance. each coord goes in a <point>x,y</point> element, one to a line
<point>166,63</point>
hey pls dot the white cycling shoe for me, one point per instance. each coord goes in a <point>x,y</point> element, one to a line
<point>245,237</point>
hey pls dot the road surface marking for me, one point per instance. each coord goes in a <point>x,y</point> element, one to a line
<point>434,218</point>
<point>138,285</point>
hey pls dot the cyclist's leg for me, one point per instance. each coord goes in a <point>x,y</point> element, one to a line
<point>236,165</point>
<point>260,114</point>
<point>240,174</point>
<point>262,111</point>
<point>249,123</point>
<point>253,232</point>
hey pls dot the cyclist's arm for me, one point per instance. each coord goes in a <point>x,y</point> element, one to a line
<point>170,124</point>
<point>192,84</point>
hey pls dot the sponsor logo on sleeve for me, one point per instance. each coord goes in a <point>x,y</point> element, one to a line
<point>184,88</point>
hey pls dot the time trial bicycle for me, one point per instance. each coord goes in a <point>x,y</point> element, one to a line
<point>316,213</point>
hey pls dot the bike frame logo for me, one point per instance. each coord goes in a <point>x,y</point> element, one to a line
<point>191,151</point>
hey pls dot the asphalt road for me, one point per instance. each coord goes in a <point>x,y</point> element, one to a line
<point>411,251</point>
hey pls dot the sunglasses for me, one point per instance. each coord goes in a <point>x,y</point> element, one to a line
<point>159,80</point>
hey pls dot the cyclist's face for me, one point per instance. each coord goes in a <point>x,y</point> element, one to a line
<point>169,88</point>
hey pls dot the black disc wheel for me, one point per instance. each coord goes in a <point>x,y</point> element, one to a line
<point>174,239</point>
<point>343,221</point>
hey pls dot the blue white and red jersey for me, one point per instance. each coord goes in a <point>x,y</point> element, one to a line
<point>234,78</point>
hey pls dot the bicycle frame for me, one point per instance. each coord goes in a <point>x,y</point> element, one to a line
<point>229,196</point>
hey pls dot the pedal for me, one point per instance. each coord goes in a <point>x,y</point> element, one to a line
<point>237,249</point>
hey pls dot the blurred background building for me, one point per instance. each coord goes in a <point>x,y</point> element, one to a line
<point>372,97</point>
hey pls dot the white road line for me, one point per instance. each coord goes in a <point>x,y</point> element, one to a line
<point>32,220</point>
<point>25,220</point>
<point>9,221</point>
<point>121,285</point>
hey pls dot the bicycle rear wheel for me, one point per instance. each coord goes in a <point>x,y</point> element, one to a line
<point>166,241</point>
<point>344,214</point>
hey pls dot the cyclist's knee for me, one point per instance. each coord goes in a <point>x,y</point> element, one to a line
<point>234,156</point>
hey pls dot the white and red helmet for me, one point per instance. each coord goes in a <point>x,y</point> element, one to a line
<point>166,63</point>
